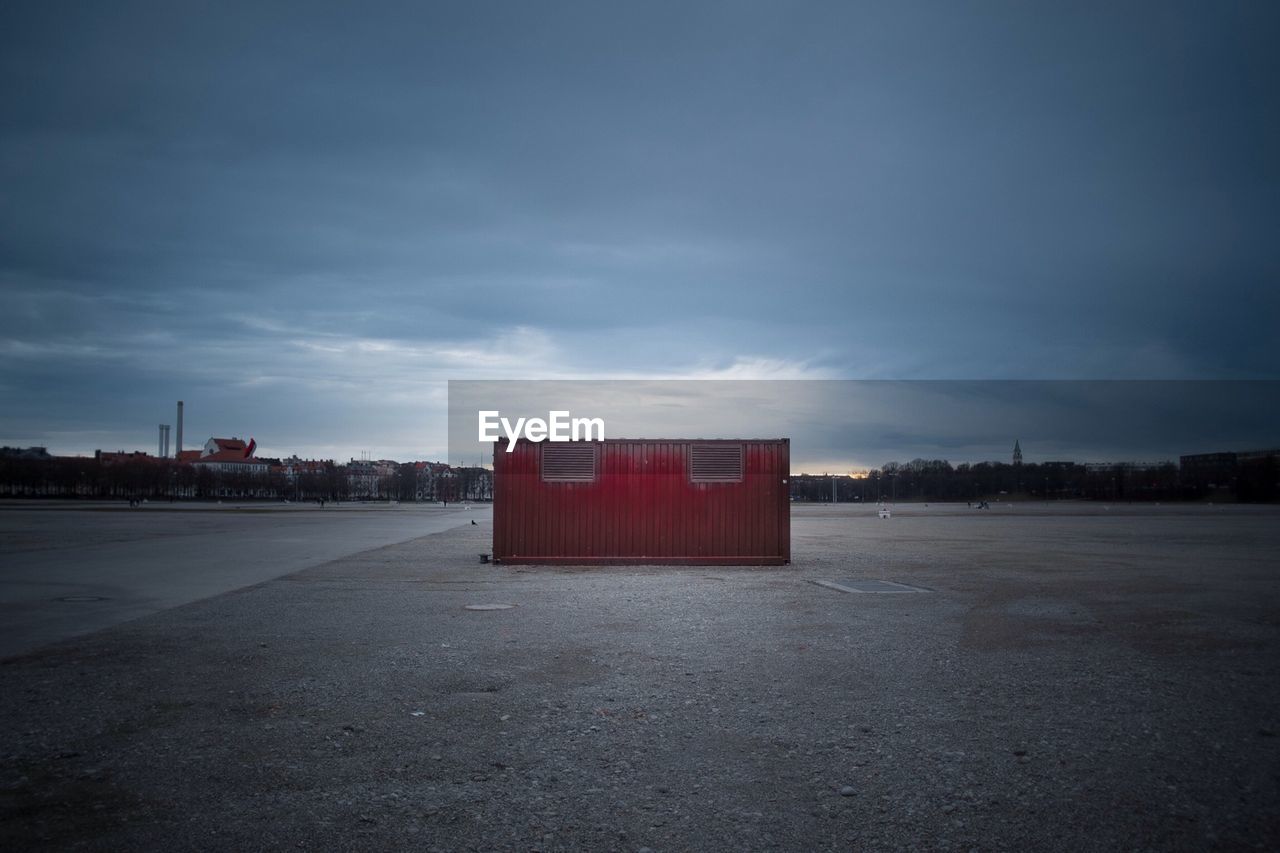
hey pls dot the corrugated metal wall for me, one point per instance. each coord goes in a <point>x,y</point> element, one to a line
<point>643,507</point>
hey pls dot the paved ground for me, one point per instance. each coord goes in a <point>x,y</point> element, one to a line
<point>1079,678</point>
<point>65,572</point>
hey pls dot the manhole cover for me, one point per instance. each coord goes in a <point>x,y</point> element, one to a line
<point>489,606</point>
<point>856,585</point>
<point>78,598</point>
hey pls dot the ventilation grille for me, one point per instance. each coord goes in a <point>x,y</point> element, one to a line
<point>715,463</point>
<point>568,462</point>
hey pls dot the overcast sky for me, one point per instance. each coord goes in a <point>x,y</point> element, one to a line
<point>303,219</point>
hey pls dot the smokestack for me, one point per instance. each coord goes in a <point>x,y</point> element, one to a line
<point>178,445</point>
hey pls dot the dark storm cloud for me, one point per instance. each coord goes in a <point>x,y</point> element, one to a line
<point>281,208</point>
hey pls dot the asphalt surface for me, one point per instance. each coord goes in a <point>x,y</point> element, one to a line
<point>66,572</point>
<point>1075,678</point>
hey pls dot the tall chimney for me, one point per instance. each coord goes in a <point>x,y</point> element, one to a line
<point>178,446</point>
<point>160,449</point>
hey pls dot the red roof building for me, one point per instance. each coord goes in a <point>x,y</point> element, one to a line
<point>223,445</point>
<point>229,455</point>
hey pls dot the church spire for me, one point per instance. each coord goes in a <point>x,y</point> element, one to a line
<point>1017,452</point>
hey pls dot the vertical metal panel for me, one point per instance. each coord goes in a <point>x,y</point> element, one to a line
<point>643,507</point>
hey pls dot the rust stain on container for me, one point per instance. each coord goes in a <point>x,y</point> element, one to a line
<point>643,501</point>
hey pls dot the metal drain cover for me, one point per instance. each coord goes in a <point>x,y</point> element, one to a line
<point>860,585</point>
<point>489,607</point>
<point>75,599</point>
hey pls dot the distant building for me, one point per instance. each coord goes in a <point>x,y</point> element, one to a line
<point>1096,467</point>
<point>476,484</point>
<point>1208,467</point>
<point>1254,471</point>
<point>434,481</point>
<point>215,446</point>
<point>294,467</point>
<point>1017,452</point>
<point>229,456</point>
<point>25,453</point>
<point>108,457</point>
<point>427,480</point>
<point>362,479</point>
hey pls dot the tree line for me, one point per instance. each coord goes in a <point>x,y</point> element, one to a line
<point>158,479</point>
<point>939,480</point>
<point>1254,480</point>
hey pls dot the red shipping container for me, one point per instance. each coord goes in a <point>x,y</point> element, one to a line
<point>643,501</point>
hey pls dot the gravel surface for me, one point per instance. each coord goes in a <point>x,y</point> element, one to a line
<point>1075,678</point>
<point>68,569</point>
